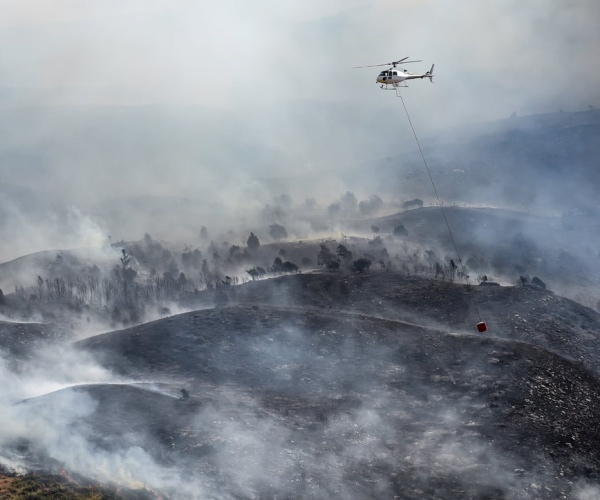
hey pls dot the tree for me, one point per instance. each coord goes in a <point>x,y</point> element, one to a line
<point>182,280</point>
<point>39,282</point>
<point>191,260</point>
<point>277,266</point>
<point>538,283</point>
<point>256,272</point>
<point>204,233</point>
<point>277,231</point>
<point>205,274</point>
<point>453,268</point>
<point>400,230</point>
<point>334,210</point>
<point>376,242</point>
<point>344,254</point>
<point>325,256</point>
<point>332,265</point>
<point>349,203</point>
<point>430,256</point>
<point>284,200</point>
<point>253,242</point>
<point>125,259</point>
<point>361,265</point>
<point>370,206</point>
<point>416,203</point>
<point>439,271</point>
<point>289,267</point>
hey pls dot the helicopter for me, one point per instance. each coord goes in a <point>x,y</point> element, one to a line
<point>394,78</point>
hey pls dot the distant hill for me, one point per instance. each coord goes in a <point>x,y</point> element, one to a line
<point>561,250</point>
<point>541,162</point>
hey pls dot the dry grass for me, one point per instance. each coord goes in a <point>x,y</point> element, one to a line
<point>51,487</point>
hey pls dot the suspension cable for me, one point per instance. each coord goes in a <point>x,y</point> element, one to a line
<point>436,193</point>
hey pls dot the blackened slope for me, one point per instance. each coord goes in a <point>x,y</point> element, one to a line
<point>521,313</point>
<point>120,416</point>
<point>432,412</point>
<point>231,343</point>
<point>23,339</point>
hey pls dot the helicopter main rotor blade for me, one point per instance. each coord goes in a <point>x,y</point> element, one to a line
<point>384,64</point>
<point>371,66</point>
<point>393,63</point>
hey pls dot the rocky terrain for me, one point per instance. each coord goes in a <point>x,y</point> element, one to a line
<point>331,384</point>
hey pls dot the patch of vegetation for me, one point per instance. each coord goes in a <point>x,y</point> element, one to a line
<point>53,487</point>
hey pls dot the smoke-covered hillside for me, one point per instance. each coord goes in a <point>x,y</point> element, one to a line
<point>541,163</point>
<point>310,350</point>
<point>322,385</point>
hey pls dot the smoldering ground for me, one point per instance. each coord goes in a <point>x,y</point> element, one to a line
<point>282,399</point>
<point>48,423</point>
<point>294,407</point>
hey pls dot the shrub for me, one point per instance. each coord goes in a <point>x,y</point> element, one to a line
<point>361,265</point>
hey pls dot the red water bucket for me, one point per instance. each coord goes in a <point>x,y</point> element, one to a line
<point>482,327</point>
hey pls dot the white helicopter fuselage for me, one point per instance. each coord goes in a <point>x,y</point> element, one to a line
<point>395,76</point>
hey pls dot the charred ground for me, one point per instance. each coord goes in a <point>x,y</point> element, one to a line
<point>329,384</point>
<point>324,384</point>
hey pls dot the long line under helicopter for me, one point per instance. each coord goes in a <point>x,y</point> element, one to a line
<point>397,79</point>
<point>481,325</point>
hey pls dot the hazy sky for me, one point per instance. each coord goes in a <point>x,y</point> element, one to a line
<point>263,90</point>
<point>496,56</point>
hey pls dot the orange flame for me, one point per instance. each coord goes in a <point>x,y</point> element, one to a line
<point>66,475</point>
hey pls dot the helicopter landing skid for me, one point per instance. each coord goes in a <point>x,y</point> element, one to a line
<point>394,87</point>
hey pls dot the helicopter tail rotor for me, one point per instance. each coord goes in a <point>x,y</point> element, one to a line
<point>430,73</point>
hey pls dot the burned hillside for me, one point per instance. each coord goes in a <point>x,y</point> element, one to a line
<point>315,351</point>
<point>524,313</point>
<point>323,384</point>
